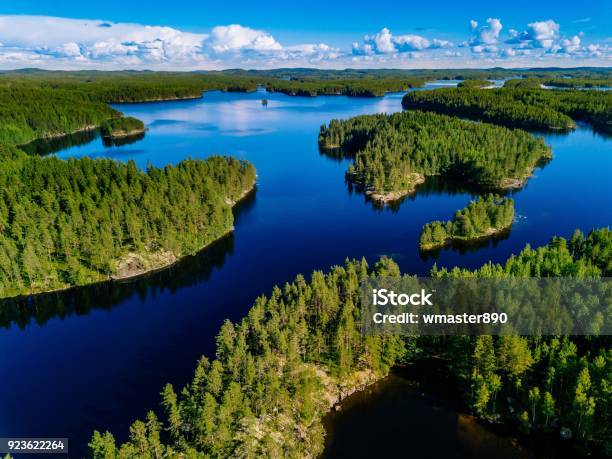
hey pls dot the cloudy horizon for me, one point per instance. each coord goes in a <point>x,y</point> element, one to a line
<point>52,42</point>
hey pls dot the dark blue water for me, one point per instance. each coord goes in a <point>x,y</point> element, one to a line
<point>97,357</point>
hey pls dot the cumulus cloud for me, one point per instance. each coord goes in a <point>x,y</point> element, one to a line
<point>487,34</point>
<point>384,42</point>
<point>539,34</point>
<point>571,45</point>
<point>42,40</point>
<point>236,38</point>
<point>545,37</point>
<point>53,42</point>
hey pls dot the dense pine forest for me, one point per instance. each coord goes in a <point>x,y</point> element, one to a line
<point>394,152</point>
<point>482,217</point>
<point>524,108</point>
<point>300,350</point>
<point>65,223</point>
<point>30,112</point>
<point>579,82</point>
<point>524,83</point>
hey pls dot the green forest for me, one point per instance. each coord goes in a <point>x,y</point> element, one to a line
<point>392,152</point>
<point>124,126</point>
<point>579,82</point>
<point>65,223</point>
<point>524,108</point>
<point>524,83</point>
<point>477,84</point>
<point>482,217</point>
<point>300,349</point>
<point>31,112</point>
<point>369,87</point>
<point>567,83</point>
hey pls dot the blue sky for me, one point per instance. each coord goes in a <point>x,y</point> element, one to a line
<point>186,34</point>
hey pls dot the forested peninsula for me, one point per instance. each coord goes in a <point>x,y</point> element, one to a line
<point>523,108</point>
<point>394,153</point>
<point>483,217</point>
<point>74,222</point>
<point>300,350</point>
<point>124,126</point>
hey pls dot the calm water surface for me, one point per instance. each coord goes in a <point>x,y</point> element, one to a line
<point>98,357</point>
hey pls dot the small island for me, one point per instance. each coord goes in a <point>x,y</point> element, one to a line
<point>484,217</point>
<point>475,84</point>
<point>125,126</point>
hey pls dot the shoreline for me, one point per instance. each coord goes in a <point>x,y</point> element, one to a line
<point>170,260</point>
<point>386,197</point>
<point>124,134</point>
<point>449,240</point>
<point>159,99</point>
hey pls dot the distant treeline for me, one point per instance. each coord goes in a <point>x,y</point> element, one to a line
<point>298,350</point>
<point>483,217</point>
<point>524,108</point>
<point>390,149</point>
<point>496,73</point>
<point>365,87</point>
<point>568,83</point>
<point>66,223</point>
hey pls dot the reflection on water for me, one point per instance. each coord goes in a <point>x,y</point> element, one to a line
<point>43,147</point>
<point>39,309</point>
<point>464,247</point>
<point>416,412</point>
<point>120,141</point>
<point>188,271</point>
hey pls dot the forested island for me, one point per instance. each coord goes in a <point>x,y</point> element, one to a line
<point>300,350</point>
<point>524,83</point>
<point>394,153</point>
<point>524,108</point>
<point>483,217</point>
<point>476,84</point>
<point>124,126</point>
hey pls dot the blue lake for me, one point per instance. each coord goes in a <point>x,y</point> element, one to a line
<point>97,357</point>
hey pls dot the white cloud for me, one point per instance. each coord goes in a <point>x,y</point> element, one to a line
<point>571,45</point>
<point>236,38</point>
<point>52,42</point>
<point>384,42</point>
<point>539,34</point>
<point>487,34</point>
<point>41,40</point>
<point>543,33</point>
